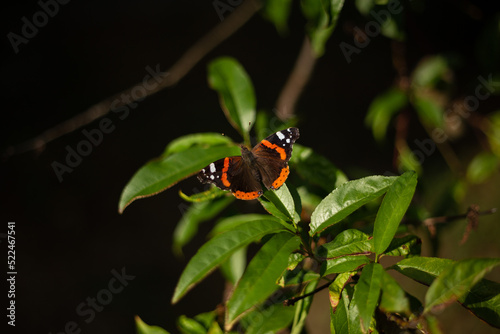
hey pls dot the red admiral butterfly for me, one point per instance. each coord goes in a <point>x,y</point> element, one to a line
<point>267,162</point>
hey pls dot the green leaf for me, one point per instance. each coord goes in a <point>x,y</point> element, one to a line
<point>483,299</point>
<point>236,92</point>
<point>194,215</point>
<point>429,110</point>
<point>233,268</point>
<point>339,317</point>
<point>382,109</point>
<point>231,223</point>
<point>348,242</point>
<point>366,293</point>
<point>190,326</point>
<point>346,199</point>
<point>282,201</point>
<point>392,210</point>
<point>483,166</point>
<point>302,309</point>
<point>196,139</point>
<point>321,18</point>
<point>430,71</point>
<point>408,160</point>
<point>277,11</point>
<point>203,196</point>
<point>218,249</point>
<point>335,289</point>
<point>456,280</point>
<point>407,245</point>
<point>268,319</point>
<point>316,169</point>
<point>161,174</point>
<point>393,297</point>
<point>259,279</point>
<point>343,264</point>
<point>143,328</point>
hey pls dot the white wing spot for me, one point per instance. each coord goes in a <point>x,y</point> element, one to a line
<point>203,170</point>
<point>280,135</point>
<point>289,130</point>
<point>284,145</point>
<point>212,168</point>
<point>288,140</point>
<point>212,177</point>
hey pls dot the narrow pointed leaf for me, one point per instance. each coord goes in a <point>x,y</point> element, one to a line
<point>366,294</point>
<point>316,169</point>
<point>346,199</point>
<point>203,196</point>
<point>158,175</point>
<point>393,297</point>
<point>143,328</point>
<point>405,246</point>
<point>268,318</point>
<point>456,280</point>
<point>335,289</point>
<point>483,299</point>
<point>392,210</point>
<point>236,92</point>
<point>343,264</point>
<point>259,279</point>
<point>233,268</point>
<point>348,242</point>
<point>196,139</point>
<point>283,201</point>
<point>194,215</point>
<point>232,222</point>
<point>218,249</point>
<point>339,316</point>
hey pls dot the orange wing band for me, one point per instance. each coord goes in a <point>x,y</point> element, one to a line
<point>224,173</point>
<point>282,178</point>
<point>247,196</point>
<point>275,147</point>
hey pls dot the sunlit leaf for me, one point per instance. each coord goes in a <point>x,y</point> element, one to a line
<point>347,198</point>
<point>456,280</point>
<point>218,249</point>
<point>158,175</point>
<point>236,92</point>
<point>366,294</point>
<point>392,210</point>
<point>143,328</point>
<point>259,279</point>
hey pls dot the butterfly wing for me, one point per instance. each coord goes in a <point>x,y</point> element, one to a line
<point>233,174</point>
<point>272,155</point>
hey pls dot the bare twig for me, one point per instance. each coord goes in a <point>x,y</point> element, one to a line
<point>187,61</point>
<point>472,216</point>
<point>293,300</point>
<point>285,106</point>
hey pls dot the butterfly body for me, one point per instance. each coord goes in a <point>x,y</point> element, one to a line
<point>266,163</point>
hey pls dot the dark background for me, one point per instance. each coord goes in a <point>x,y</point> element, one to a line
<point>69,235</point>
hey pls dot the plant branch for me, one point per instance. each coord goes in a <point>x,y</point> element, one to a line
<point>185,63</point>
<point>293,300</point>
<point>304,65</point>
